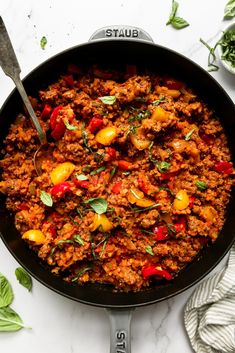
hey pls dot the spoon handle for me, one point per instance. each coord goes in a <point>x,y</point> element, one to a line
<point>11,68</point>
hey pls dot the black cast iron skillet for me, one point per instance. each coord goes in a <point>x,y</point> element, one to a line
<point>113,51</point>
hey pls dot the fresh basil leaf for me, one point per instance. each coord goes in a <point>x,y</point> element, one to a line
<point>229,10</point>
<point>179,23</point>
<point>112,173</point>
<point>24,278</point>
<point>43,42</point>
<point>108,99</point>
<point>81,177</point>
<point>149,250</point>
<point>174,8</point>
<point>78,239</point>
<point>98,204</point>
<point>6,293</point>
<point>189,135</point>
<point>46,198</point>
<point>69,126</point>
<point>10,320</point>
<point>201,185</point>
<point>85,139</point>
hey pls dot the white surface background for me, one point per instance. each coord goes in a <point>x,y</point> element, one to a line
<point>58,324</point>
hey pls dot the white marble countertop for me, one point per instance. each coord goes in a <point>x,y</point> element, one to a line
<point>60,325</point>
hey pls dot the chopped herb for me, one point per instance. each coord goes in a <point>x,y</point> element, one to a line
<point>69,126</point>
<point>175,21</point>
<point>104,247</point>
<point>140,99</point>
<point>86,168</point>
<point>146,231</point>
<point>163,166</point>
<point>179,198</point>
<point>46,198</point>
<point>108,99</point>
<point>227,44</point>
<point>98,204</point>
<point>99,157</point>
<point>43,42</point>
<point>112,173</point>
<point>211,56</point>
<point>78,239</point>
<point>158,101</point>
<point>171,228</point>
<point>137,209</point>
<point>154,161</point>
<point>143,114</point>
<point>126,173</point>
<point>81,177</point>
<point>201,185</point>
<point>97,171</point>
<point>85,139</point>
<point>229,10</point>
<point>132,130</point>
<point>81,272</point>
<point>24,278</point>
<point>189,134</point>
<point>79,213</point>
<point>149,250</point>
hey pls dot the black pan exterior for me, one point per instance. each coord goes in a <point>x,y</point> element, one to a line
<point>156,59</point>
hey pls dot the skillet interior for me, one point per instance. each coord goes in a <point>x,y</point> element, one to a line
<point>156,59</point>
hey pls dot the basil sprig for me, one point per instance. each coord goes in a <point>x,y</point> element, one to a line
<point>108,99</point>
<point>9,320</point>
<point>24,278</point>
<point>98,204</point>
<point>229,10</point>
<point>175,21</point>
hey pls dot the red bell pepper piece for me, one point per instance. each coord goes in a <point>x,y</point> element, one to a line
<point>223,167</point>
<point>52,230</point>
<point>180,225</point>
<point>81,183</point>
<point>191,201</point>
<point>173,84</point>
<point>117,188</point>
<point>160,233</point>
<point>167,176</point>
<point>124,165</point>
<point>208,139</point>
<point>95,124</point>
<point>142,185</point>
<point>46,112</point>
<point>60,189</point>
<point>152,270</point>
<point>53,117</point>
<point>59,130</point>
<point>68,79</point>
<point>23,207</point>
<point>111,152</point>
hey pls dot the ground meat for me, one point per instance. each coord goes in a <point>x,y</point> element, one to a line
<point>136,179</point>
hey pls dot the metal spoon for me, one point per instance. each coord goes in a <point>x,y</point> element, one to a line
<point>11,68</point>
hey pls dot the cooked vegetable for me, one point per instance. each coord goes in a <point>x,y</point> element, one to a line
<point>155,270</point>
<point>62,172</point>
<point>35,236</point>
<point>106,135</point>
<point>102,223</point>
<point>181,200</point>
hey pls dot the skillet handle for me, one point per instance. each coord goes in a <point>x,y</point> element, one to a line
<point>121,32</point>
<point>120,334</point>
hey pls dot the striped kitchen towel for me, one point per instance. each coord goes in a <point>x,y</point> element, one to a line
<point>210,312</point>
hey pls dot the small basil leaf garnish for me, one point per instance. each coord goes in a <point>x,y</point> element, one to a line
<point>46,198</point>
<point>98,204</point>
<point>108,99</point>
<point>24,278</point>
